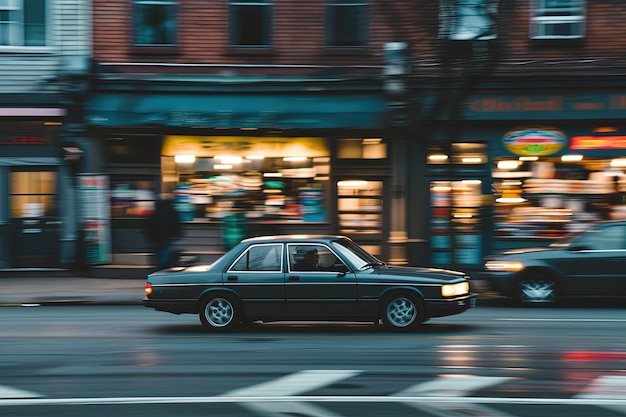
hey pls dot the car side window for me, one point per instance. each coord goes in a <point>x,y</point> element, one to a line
<point>604,238</point>
<point>260,258</point>
<point>314,257</point>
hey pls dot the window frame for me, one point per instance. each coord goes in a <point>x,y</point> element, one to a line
<point>16,26</point>
<point>330,24</point>
<point>281,256</point>
<point>542,15</point>
<point>450,19</point>
<point>265,25</point>
<point>169,5</point>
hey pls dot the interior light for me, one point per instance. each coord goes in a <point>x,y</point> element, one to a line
<point>272,174</point>
<point>471,160</point>
<point>511,183</point>
<point>471,182</point>
<point>295,158</point>
<point>604,129</point>
<point>229,159</point>
<point>510,200</point>
<point>372,141</point>
<point>508,164</point>
<point>184,159</point>
<point>571,158</point>
<point>255,157</point>
<point>222,166</point>
<point>618,162</point>
<point>437,157</point>
<point>442,189</point>
<point>352,183</point>
<point>528,158</point>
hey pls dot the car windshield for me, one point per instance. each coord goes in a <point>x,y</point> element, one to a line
<point>355,254</point>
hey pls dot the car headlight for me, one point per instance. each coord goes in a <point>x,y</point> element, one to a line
<point>504,266</point>
<point>450,290</point>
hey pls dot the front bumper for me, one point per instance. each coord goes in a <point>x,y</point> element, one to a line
<point>450,306</point>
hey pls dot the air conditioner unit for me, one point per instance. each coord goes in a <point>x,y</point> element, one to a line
<point>557,27</point>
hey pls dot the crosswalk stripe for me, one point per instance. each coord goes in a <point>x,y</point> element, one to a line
<point>607,387</point>
<point>294,384</point>
<point>9,392</point>
<point>289,409</point>
<point>451,385</point>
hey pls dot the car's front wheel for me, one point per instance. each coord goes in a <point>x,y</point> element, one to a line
<point>402,312</point>
<point>539,288</point>
<point>219,312</point>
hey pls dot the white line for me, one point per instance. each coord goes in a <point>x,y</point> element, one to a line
<point>294,384</point>
<point>8,392</point>
<point>312,399</point>
<point>452,385</point>
<point>289,409</point>
<point>607,387</point>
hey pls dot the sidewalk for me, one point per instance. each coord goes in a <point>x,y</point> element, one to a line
<point>55,286</point>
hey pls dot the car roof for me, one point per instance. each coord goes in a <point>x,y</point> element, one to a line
<point>294,238</point>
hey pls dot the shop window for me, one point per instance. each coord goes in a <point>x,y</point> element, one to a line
<point>155,23</point>
<point>361,148</point>
<point>33,194</point>
<point>471,153</point>
<point>549,197</point>
<point>455,222</point>
<point>360,207</point>
<point>250,23</point>
<point>346,23</point>
<point>23,23</point>
<point>132,198</point>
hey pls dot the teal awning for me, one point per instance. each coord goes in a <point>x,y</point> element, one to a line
<point>302,111</point>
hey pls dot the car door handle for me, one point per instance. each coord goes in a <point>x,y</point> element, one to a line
<point>232,278</point>
<point>294,278</point>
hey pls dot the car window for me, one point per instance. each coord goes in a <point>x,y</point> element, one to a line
<point>260,258</point>
<point>312,257</point>
<point>604,238</point>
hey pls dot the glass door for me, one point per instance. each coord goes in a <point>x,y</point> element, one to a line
<point>360,212</point>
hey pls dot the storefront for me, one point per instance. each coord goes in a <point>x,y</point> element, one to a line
<point>526,171</point>
<point>305,163</point>
<point>32,221</point>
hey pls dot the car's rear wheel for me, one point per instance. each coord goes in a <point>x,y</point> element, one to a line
<point>220,312</point>
<point>537,288</point>
<point>402,312</point>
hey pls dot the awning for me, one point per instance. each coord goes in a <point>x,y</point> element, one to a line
<point>237,111</point>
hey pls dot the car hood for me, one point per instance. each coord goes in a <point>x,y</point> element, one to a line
<point>410,272</point>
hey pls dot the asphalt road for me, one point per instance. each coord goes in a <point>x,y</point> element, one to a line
<point>489,361</point>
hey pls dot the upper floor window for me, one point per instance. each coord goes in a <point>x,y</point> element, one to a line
<point>557,19</point>
<point>346,23</point>
<point>251,23</point>
<point>155,23</point>
<point>468,20</point>
<point>23,22</point>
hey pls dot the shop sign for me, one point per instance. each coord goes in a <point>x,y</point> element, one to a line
<point>534,141</point>
<point>598,142</point>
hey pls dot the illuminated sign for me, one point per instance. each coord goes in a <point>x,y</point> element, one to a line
<point>534,141</point>
<point>598,142</point>
<point>24,140</point>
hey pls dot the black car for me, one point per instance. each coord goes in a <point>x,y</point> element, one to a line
<point>307,278</point>
<point>591,263</point>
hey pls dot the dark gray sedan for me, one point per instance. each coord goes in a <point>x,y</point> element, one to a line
<point>307,278</point>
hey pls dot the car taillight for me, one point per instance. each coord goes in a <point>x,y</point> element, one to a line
<point>148,289</point>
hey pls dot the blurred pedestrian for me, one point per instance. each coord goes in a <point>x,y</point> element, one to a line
<point>163,229</point>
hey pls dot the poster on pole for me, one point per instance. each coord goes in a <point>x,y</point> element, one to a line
<point>95,218</point>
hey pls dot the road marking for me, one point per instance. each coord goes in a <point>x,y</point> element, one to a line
<point>8,392</point>
<point>607,387</point>
<point>383,399</point>
<point>452,385</point>
<point>294,384</point>
<point>289,409</point>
